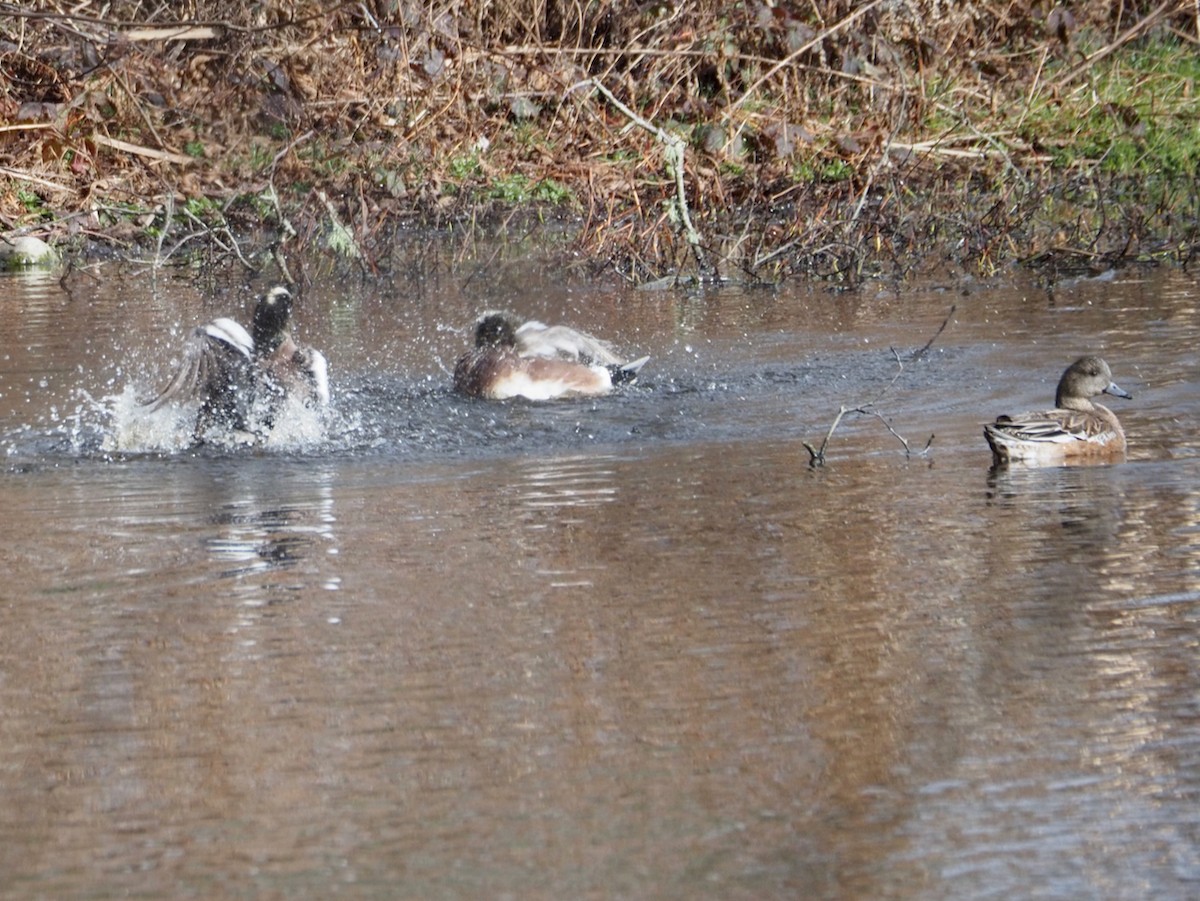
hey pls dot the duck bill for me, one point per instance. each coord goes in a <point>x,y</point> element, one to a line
<point>1117,391</point>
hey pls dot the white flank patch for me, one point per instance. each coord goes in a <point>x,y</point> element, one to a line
<point>521,384</point>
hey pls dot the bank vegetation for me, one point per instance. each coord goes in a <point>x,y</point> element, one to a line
<point>756,140</point>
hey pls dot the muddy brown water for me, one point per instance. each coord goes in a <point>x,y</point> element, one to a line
<point>628,647</point>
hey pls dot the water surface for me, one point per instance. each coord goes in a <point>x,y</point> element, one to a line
<point>625,647</point>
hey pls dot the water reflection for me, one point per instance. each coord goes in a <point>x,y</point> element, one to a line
<point>1086,498</point>
<point>1095,516</point>
<point>255,536</point>
<point>565,486</point>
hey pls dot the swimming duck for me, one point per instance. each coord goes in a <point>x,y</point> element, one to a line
<point>241,378</point>
<point>1076,429</point>
<point>538,361</point>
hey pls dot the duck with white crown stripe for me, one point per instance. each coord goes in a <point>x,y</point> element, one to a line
<point>538,362</point>
<point>242,379</point>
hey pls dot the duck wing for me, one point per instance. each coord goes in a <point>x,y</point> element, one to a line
<point>297,370</point>
<point>540,378</point>
<point>216,360</point>
<point>316,373</point>
<point>1051,427</point>
<point>536,339</point>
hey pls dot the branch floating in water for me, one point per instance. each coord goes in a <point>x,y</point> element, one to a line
<point>817,455</point>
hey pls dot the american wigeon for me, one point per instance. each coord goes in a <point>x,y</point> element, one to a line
<point>1077,429</point>
<point>241,379</point>
<point>538,362</point>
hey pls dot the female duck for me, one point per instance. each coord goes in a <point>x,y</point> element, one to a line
<point>1077,429</point>
<point>241,379</point>
<point>538,362</point>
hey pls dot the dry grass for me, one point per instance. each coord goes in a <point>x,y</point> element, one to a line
<point>827,138</point>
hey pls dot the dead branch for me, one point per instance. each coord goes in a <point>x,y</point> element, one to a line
<point>817,455</point>
<point>941,328</point>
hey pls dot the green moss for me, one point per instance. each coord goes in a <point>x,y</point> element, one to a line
<point>26,252</point>
<point>510,188</point>
<point>518,188</point>
<point>203,208</point>
<point>462,167</point>
<point>325,160</point>
<point>261,156</point>
<point>549,191</point>
<point>32,202</point>
<point>820,169</point>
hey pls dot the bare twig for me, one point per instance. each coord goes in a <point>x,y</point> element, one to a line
<point>22,12</point>
<point>168,214</point>
<point>33,179</point>
<point>237,250</point>
<point>817,455</point>
<point>941,328</point>
<point>133,99</point>
<point>139,150</point>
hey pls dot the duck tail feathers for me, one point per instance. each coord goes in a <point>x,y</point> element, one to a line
<point>627,373</point>
<point>318,372</point>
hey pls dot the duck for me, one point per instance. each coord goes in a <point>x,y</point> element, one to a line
<point>1076,430</point>
<point>241,378</point>
<point>536,361</point>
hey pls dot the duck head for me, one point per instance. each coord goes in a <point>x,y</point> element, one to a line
<point>495,330</point>
<point>271,316</point>
<point>1084,379</point>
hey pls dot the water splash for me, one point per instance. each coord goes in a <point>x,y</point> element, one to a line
<point>300,427</point>
<point>133,428</point>
<point>74,429</point>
